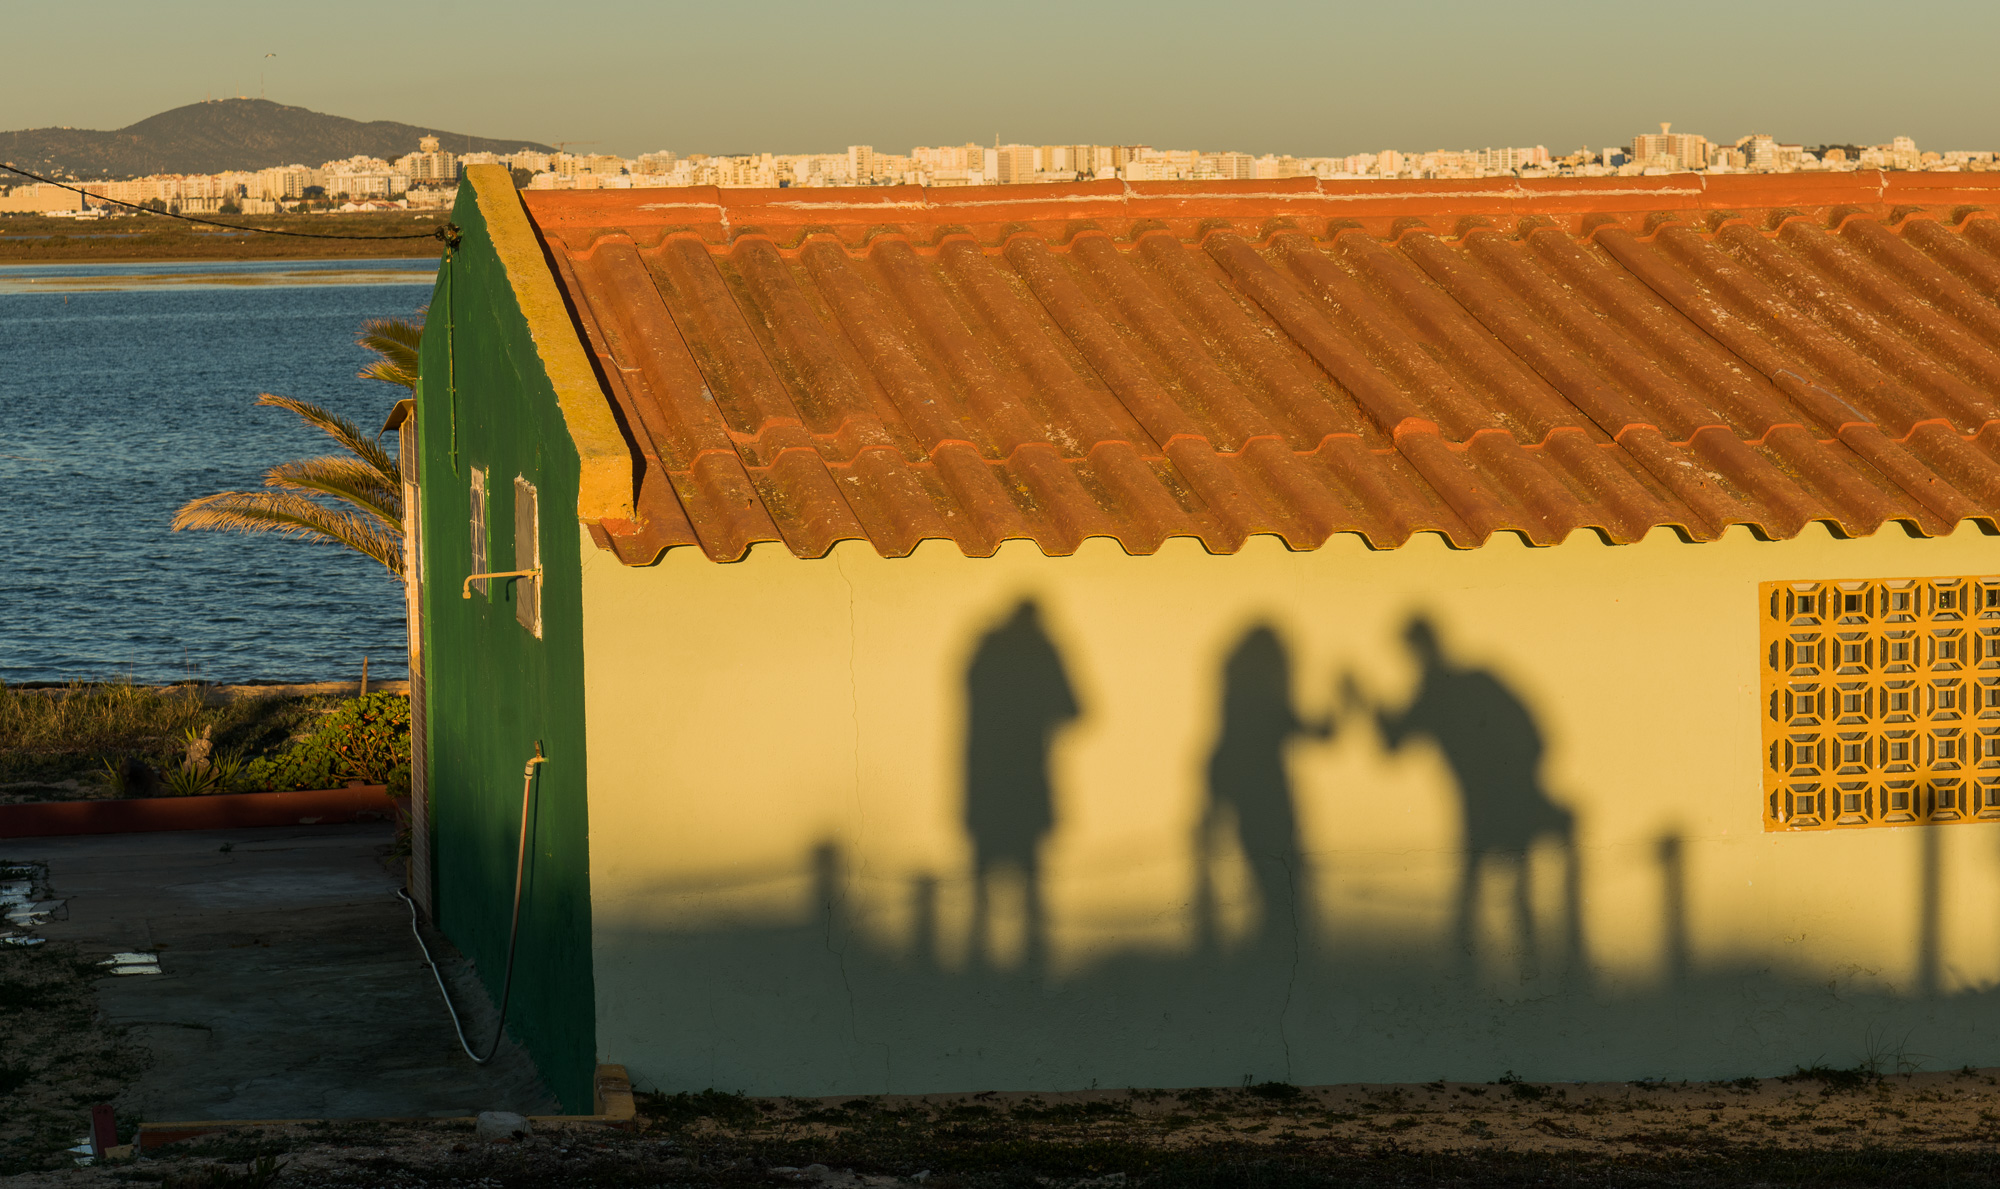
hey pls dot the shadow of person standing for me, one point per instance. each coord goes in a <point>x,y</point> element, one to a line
<point>1018,695</point>
<point>1250,790</point>
<point>1494,748</point>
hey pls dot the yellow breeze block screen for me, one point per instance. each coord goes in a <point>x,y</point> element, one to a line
<point>1881,702</point>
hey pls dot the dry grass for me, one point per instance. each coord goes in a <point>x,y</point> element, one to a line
<point>54,742</point>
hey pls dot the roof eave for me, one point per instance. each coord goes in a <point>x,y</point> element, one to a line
<point>604,459</point>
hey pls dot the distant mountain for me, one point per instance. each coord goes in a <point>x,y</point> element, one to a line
<point>227,134</point>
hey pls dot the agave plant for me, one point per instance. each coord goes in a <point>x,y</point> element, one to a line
<point>365,485</point>
<point>201,770</point>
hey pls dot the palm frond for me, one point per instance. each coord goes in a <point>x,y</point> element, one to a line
<point>341,430</point>
<point>292,516</point>
<point>369,485</point>
<point>397,341</point>
<point>346,479</point>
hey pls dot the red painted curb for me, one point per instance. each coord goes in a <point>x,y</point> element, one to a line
<point>226,811</point>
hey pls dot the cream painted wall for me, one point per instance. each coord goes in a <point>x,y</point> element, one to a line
<point>780,864</point>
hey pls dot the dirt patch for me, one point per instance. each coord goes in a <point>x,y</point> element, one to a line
<point>58,1055</point>
<point>1822,1127</point>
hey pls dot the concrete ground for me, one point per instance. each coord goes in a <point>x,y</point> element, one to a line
<point>291,987</point>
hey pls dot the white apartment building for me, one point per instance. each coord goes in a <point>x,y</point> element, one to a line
<point>428,165</point>
<point>1671,150</point>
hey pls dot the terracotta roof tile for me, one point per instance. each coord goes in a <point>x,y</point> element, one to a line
<point>1296,358</point>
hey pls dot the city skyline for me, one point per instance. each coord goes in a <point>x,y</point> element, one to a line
<point>427,178</point>
<point>1272,77</point>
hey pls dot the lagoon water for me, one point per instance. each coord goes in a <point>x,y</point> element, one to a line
<point>126,390</point>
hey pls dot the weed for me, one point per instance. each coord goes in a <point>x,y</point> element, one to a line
<point>1521,1089</point>
<point>120,736</point>
<point>1833,1079</point>
<point>676,1111</point>
<point>1275,1091</point>
<point>200,770</point>
<point>366,738</point>
<point>259,1175</point>
<point>1068,1112</point>
<point>49,733</point>
<point>120,776</point>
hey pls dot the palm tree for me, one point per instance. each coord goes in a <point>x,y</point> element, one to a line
<point>367,515</point>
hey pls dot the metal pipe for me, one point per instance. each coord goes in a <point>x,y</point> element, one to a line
<point>513,929</point>
<point>472,578</point>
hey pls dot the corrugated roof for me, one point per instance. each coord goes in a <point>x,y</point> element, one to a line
<point>1295,357</point>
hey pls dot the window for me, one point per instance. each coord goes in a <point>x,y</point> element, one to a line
<point>479,559</point>
<point>527,556</point>
<point>1881,702</point>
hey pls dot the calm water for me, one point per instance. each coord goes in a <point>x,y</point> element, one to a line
<point>126,390</point>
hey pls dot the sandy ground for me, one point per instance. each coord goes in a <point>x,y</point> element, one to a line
<point>1818,1128</point>
<point>235,920</point>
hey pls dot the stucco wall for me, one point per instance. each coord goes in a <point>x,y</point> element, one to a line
<point>1241,873</point>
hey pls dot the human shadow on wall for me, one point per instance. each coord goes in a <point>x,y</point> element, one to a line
<point>1249,794</point>
<point>1489,739</point>
<point>1671,850</point>
<point>861,985</point>
<point>1017,696</point>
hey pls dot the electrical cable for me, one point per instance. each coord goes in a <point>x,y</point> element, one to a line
<point>447,233</point>
<point>513,930</point>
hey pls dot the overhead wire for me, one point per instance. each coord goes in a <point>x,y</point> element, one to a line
<point>447,233</point>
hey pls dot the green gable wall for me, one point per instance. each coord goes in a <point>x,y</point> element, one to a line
<point>493,689</point>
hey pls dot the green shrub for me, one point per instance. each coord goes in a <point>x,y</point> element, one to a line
<point>367,738</point>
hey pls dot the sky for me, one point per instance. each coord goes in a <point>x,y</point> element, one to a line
<point>1250,75</point>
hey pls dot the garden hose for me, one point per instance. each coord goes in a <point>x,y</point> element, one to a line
<point>513,929</point>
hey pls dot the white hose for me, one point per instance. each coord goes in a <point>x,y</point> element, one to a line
<point>513,930</point>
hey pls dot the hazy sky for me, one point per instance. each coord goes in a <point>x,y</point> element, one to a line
<point>1254,75</point>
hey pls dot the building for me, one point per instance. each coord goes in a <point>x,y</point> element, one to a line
<point>1671,150</point>
<point>1161,636</point>
<point>429,165</point>
<point>1015,164</point>
<point>40,198</point>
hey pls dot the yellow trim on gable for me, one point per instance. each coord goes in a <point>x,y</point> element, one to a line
<point>604,461</point>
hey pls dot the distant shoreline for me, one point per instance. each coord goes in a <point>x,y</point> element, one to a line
<point>355,262</point>
<point>34,239</point>
<point>50,277</point>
